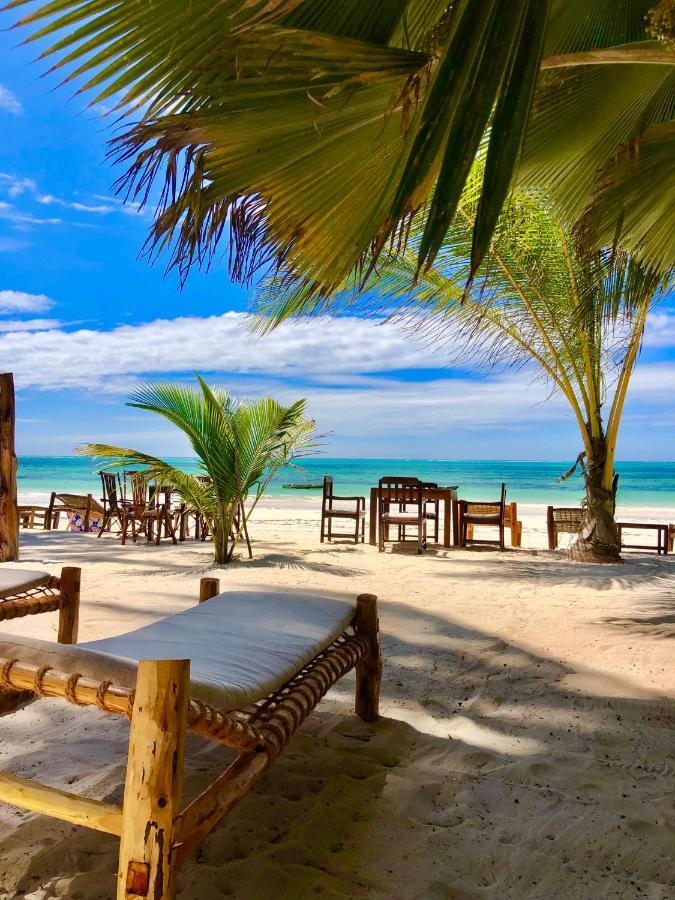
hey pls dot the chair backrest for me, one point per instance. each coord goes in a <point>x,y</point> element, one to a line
<point>77,502</point>
<point>327,496</point>
<point>490,508</point>
<point>112,489</point>
<point>401,490</point>
<point>567,518</point>
<point>139,484</point>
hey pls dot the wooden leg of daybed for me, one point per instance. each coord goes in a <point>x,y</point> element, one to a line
<point>369,669</point>
<point>154,782</point>
<point>69,613</point>
<point>208,587</point>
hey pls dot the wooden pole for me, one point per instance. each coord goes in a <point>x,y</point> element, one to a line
<point>200,818</point>
<point>154,782</point>
<point>369,670</point>
<point>208,587</point>
<point>63,805</point>
<point>69,613</point>
<point>9,513</point>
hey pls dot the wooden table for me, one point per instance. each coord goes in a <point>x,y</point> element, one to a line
<point>450,513</point>
<point>661,536</point>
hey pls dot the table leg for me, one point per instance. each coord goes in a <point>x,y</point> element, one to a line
<point>372,527</point>
<point>455,521</point>
<point>447,510</point>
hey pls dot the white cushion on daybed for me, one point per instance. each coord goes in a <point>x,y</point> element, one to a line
<point>14,581</point>
<point>242,645</point>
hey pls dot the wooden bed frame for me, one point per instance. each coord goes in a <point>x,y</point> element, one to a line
<point>156,835</point>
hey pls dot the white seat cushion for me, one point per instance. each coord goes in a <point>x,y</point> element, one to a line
<point>242,645</point>
<point>14,581</point>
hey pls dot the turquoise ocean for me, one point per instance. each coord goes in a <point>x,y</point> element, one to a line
<point>642,484</point>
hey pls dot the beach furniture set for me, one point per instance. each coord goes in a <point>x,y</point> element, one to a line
<point>80,509</point>
<point>242,668</point>
<point>570,520</point>
<point>408,510</point>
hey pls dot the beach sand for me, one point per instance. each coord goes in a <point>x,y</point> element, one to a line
<point>525,747</point>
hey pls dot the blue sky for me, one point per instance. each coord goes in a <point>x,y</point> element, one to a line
<point>83,319</point>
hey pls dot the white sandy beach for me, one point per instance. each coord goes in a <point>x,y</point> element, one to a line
<point>526,746</point>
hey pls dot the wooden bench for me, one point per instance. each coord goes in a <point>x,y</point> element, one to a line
<point>662,536</point>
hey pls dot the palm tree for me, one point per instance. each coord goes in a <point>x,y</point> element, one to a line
<point>239,446</point>
<point>539,299</point>
<point>308,132</point>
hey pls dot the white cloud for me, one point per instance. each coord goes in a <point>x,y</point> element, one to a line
<point>16,186</point>
<point>215,343</point>
<point>337,364</point>
<point>660,329</point>
<point>21,302</point>
<point>28,324</point>
<point>50,200</point>
<point>21,219</point>
<point>9,102</point>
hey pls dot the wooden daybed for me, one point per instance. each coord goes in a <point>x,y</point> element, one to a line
<point>245,669</point>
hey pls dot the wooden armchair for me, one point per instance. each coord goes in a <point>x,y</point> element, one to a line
<point>406,497</point>
<point>328,512</point>
<point>473,513</point>
<point>563,519</point>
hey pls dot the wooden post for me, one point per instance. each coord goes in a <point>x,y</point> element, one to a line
<point>87,514</point>
<point>154,782</point>
<point>9,513</point>
<point>48,524</point>
<point>369,670</point>
<point>208,587</point>
<point>69,613</point>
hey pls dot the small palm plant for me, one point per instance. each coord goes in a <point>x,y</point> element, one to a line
<point>239,446</point>
<point>540,299</point>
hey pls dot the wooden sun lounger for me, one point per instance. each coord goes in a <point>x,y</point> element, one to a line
<point>244,669</point>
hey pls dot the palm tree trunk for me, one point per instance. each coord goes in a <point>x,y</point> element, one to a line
<point>599,539</point>
<point>222,551</point>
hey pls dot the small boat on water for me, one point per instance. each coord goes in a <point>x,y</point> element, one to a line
<point>304,486</point>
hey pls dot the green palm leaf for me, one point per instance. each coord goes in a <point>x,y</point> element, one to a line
<point>240,446</point>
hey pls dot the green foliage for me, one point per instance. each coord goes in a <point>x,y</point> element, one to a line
<point>539,296</point>
<point>307,133</point>
<point>239,446</point>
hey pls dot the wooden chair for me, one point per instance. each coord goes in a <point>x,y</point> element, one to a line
<point>329,512</point>
<point>74,504</point>
<point>222,670</point>
<point>671,538</point>
<point>406,496</point>
<point>473,513</point>
<point>113,503</point>
<point>563,519</point>
<point>431,513</point>
<point>511,522</point>
<point>31,516</point>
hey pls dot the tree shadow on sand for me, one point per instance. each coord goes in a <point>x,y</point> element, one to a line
<point>489,775</point>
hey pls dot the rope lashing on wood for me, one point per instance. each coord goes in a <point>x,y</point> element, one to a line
<point>280,715</point>
<point>266,726</point>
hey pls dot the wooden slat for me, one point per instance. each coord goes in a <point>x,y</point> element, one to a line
<point>202,815</point>
<point>60,804</point>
